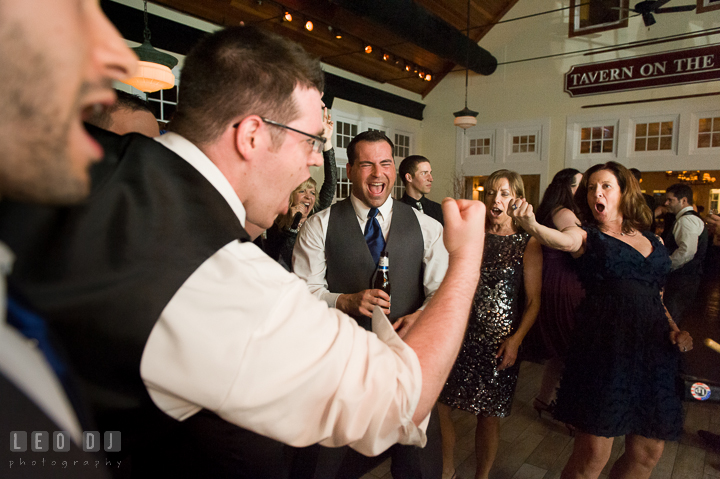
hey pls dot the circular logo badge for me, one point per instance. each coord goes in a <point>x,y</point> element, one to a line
<point>700,391</point>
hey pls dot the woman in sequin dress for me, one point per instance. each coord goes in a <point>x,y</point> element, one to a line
<point>622,363</point>
<point>506,303</point>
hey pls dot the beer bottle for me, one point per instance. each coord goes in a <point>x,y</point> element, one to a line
<point>382,274</point>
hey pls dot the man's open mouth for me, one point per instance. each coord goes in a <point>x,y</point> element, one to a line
<point>376,188</point>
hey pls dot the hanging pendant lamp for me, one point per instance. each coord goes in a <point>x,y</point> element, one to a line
<point>154,68</point>
<point>466,118</point>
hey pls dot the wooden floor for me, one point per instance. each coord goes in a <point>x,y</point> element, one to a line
<point>532,448</point>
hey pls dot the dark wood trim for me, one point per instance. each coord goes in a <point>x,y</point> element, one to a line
<point>650,100</point>
<point>702,8</point>
<point>644,43</point>
<point>622,23</point>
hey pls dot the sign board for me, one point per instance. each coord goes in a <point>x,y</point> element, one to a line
<point>677,67</point>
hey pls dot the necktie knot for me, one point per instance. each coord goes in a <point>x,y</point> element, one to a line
<point>372,214</point>
<point>419,206</point>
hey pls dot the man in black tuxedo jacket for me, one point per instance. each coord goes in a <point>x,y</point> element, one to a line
<point>50,81</point>
<point>208,354</point>
<point>416,174</point>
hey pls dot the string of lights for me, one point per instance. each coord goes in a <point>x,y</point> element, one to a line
<point>312,24</point>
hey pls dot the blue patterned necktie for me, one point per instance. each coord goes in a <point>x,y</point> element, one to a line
<point>374,236</point>
<point>32,326</point>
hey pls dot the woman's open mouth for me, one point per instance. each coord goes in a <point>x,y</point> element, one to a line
<point>496,212</point>
<point>599,207</point>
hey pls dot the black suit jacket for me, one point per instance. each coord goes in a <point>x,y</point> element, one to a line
<point>430,208</point>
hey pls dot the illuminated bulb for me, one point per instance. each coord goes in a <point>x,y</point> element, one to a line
<point>368,49</point>
<point>421,75</point>
<point>386,57</point>
<point>407,68</point>
<point>287,17</point>
<point>309,26</point>
<point>428,77</point>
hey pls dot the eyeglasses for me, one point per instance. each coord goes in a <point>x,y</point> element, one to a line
<point>317,141</point>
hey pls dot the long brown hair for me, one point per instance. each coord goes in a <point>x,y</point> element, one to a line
<point>635,211</point>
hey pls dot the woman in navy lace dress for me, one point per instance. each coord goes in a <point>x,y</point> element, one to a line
<point>622,364</point>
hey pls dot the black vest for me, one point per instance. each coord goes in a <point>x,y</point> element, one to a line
<point>350,266</point>
<point>102,272</point>
<point>694,267</point>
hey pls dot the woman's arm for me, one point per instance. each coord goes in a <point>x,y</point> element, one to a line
<point>327,191</point>
<point>532,278</point>
<point>568,237</point>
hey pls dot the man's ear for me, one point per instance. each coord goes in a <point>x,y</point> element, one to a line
<point>408,178</point>
<point>247,137</point>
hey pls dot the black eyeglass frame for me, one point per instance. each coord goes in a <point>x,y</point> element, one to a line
<point>319,140</point>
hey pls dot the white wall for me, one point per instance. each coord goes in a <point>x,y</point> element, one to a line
<point>533,91</point>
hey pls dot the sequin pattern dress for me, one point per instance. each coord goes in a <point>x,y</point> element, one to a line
<point>475,384</point>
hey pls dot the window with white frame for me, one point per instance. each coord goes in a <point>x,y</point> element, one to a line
<point>591,16</point>
<point>597,139</point>
<point>399,188</point>
<point>654,135</point>
<point>164,103</point>
<point>480,146</point>
<point>402,145</point>
<point>524,143</point>
<point>343,185</point>
<point>344,132</point>
<point>708,132</point>
<point>715,200</point>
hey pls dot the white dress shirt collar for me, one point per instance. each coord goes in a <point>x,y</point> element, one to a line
<point>362,210</point>
<point>192,154</point>
<point>682,212</point>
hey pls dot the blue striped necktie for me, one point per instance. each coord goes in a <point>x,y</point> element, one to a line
<point>374,235</point>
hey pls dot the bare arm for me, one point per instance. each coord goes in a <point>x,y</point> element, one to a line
<point>438,333</point>
<point>569,237</point>
<point>532,279</point>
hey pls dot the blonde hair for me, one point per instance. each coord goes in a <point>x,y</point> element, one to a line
<point>514,180</point>
<point>284,221</point>
<point>304,185</point>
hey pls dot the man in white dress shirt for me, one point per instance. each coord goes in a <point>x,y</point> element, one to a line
<point>335,258</point>
<point>687,242</point>
<point>58,59</point>
<point>221,335</point>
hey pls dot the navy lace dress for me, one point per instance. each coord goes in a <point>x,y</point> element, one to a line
<point>621,369</point>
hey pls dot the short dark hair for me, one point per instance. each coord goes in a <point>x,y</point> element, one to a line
<point>410,165</point>
<point>636,213</point>
<point>125,101</point>
<point>241,71</point>
<point>371,136</point>
<point>680,190</point>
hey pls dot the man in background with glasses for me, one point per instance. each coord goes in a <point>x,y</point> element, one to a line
<point>203,351</point>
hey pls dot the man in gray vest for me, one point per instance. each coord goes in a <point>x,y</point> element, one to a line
<point>686,242</point>
<point>337,253</point>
